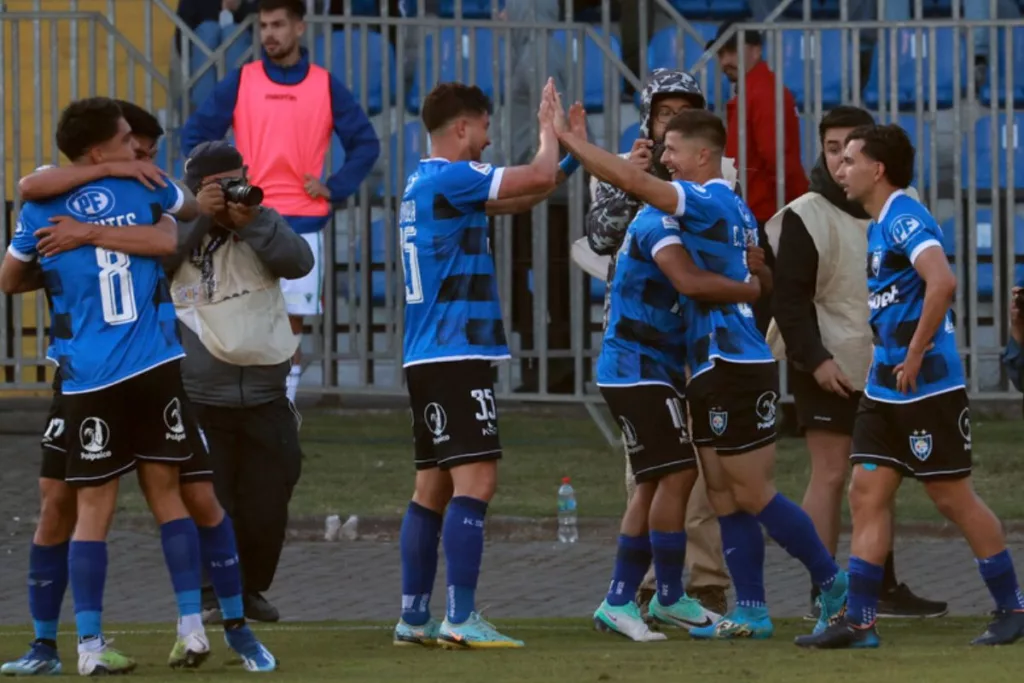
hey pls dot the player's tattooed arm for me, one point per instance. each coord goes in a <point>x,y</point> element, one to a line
<point>159,239</point>
<point>52,181</point>
<point>689,280</point>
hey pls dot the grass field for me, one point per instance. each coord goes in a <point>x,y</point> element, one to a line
<point>360,462</point>
<point>568,651</point>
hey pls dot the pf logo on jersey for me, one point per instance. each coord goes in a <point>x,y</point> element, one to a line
<point>437,422</point>
<point>172,418</point>
<point>921,444</point>
<point>90,203</point>
<point>765,409</point>
<point>94,436</point>
<point>480,168</point>
<point>903,227</point>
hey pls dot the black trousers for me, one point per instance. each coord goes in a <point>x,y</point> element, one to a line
<point>256,463</point>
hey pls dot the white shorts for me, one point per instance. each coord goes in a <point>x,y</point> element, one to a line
<point>304,296</point>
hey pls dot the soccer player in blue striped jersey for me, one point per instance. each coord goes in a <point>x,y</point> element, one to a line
<point>642,375</point>
<point>734,380</point>
<point>913,419</point>
<point>115,340</point>
<point>453,335</point>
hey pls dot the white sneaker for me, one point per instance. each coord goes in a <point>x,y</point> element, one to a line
<point>103,660</point>
<point>189,651</point>
<point>625,620</point>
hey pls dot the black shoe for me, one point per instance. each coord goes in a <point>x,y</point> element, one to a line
<point>1006,628</point>
<point>839,636</point>
<point>901,602</point>
<point>258,609</point>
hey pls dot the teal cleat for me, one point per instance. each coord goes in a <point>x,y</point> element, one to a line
<point>255,657</point>
<point>625,620</point>
<point>474,633</point>
<point>687,613</point>
<point>832,603</point>
<point>424,636</point>
<point>40,660</point>
<point>741,622</point>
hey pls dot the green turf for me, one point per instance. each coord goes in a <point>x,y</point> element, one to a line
<point>361,463</point>
<point>567,651</point>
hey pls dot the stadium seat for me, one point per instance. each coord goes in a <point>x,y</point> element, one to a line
<point>798,47</point>
<point>366,8</point>
<point>471,9</point>
<point>594,67</point>
<point>477,68</point>
<point>907,87</point>
<point>629,136</point>
<point>377,51</point>
<point>414,150</point>
<point>665,52</point>
<point>711,9</point>
<point>922,145</point>
<point>1008,140</point>
<point>949,237</point>
<point>378,275</point>
<point>820,9</point>
<point>1017,88</point>
<point>937,8</point>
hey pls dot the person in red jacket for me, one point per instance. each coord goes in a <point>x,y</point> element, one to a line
<point>761,178</point>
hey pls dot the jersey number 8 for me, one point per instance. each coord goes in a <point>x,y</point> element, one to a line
<point>117,292</point>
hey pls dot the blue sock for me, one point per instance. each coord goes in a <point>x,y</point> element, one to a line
<point>180,541</point>
<point>862,596</point>
<point>87,565</point>
<point>632,561</point>
<point>790,527</point>
<point>463,540</point>
<point>421,531</point>
<point>743,545</point>
<point>669,551</point>
<point>47,581</point>
<point>219,551</point>
<point>1002,581</point>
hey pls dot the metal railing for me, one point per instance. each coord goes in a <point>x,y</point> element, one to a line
<point>551,309</point>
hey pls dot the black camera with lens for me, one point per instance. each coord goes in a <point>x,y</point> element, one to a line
<point>239,191</point>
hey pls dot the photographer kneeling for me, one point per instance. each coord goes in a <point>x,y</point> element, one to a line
<point>225,283</point>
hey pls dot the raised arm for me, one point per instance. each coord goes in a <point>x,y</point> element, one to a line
<point>50,181</point>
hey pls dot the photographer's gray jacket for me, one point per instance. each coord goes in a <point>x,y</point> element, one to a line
<point>286,255</point>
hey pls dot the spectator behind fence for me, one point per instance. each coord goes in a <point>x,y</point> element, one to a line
<point>225,284</point>
<point>283,110</point>
<point>1013,356</point>
<point>214,23</point>
<point>761,171</point>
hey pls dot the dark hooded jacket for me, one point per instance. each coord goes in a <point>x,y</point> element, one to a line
<point>796,275</point>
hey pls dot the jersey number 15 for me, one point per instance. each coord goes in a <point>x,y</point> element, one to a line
<point>117,291</point>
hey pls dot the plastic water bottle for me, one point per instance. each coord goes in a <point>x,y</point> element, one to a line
<point>567,531</point>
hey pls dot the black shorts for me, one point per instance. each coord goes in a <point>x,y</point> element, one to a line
<point>454,417</point>
<point>144,418</point>
<point>54,442</point>
<point>733,406</point>
<point>927,439</point>
<point>653,422</point>
<point>817,409</point>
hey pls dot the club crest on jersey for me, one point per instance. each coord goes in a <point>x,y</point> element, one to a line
<point>921,444</point>
<point>876,262</point>
<point>437,422</point>
<point>719,420</point>
<point>90,203</point>
<point>629,435</point>
<point>765,409</point>
<point>903,227</point>
<point>480,167</point>
<point>94,435</point>
<point>670,222</point>
<point>172,420</point>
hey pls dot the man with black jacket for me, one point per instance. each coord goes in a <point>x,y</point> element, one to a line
<point>821,326</point>
<point>235,332</point>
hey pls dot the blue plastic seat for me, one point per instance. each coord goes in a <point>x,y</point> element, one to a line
<point>414,149</point>
<point>378,51</point>
<point>937,8</point>
<point>1017,87</point>
<point>367,8</point>
<point>798,47</point>
<point>378,274</point>
<point>628,137</point>
<point>820,9</point>
<point>922,146</point>
<point>594,66</point>
<point>471,9</point>
<point>666,52</point>
<point>1008,145</point>
<point>879,91</point>
<point>477,68</point>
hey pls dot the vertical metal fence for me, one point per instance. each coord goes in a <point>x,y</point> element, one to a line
<point>923,75</point>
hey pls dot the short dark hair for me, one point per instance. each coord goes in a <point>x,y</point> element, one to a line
<point>448,101</point>
<point>141,121</point>
<point>296,8</point>
<point>890,146</point>
<point>698,123</point>
<point>85,124</point>
<point>844,116</point>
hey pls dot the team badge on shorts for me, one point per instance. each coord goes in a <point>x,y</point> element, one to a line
<point>921,445</point>
<point>719,420</point>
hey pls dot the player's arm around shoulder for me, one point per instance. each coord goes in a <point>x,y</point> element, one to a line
<point>280,248</point>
